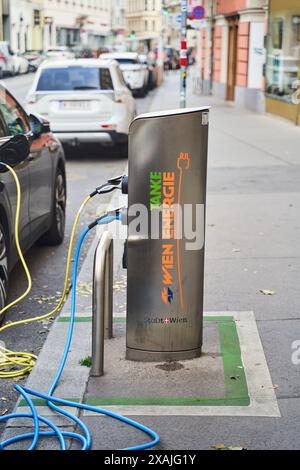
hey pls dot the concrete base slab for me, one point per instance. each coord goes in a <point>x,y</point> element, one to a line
<point>203,376</point>
<point>248,387</point>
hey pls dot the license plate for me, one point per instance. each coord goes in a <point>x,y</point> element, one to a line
<point>74,105</point>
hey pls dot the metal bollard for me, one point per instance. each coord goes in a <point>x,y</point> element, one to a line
<point>102,301</point>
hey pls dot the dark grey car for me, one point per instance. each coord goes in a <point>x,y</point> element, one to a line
<point>43,184</point>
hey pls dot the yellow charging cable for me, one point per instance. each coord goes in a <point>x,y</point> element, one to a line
<point>17,364</point>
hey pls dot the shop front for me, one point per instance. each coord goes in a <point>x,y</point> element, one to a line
<point>283,60</point>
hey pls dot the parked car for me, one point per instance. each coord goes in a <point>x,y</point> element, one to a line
<point>9,64</point>
<point>21,64</point>
<point>136,74</point>
<point>35,59</point>
<point>84,52</point>
<point>43,183</point>
<point>172,59</point>
<point>86,101</point>
<point>150,62</point>
<point>60,53</point>
<point>2,65</point>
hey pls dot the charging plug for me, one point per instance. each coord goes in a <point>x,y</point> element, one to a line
<point>124,184</point>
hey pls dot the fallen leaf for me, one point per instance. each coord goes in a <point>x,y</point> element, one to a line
<point>219,446</point>
<point>3,412</point>
<point>267,292</point>
<point>234,377</point>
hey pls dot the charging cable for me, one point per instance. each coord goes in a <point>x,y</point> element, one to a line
<point>17,364</point>
<point>53,402</point>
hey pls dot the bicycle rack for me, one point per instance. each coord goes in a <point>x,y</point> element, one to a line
<point>102,326</point>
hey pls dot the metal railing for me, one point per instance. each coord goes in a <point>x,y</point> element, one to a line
<point>102,301</point>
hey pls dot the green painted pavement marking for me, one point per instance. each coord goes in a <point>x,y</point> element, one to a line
<point>234,374</point>
<point>236,390</point>
<point>167,401</point>
<point>77,319</point>
<point>161,401</point>
<point>42,402</point>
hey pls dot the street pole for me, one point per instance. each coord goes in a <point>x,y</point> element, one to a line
<point>183,54</point>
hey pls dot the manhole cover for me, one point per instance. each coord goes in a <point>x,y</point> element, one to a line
<point>170,366</point>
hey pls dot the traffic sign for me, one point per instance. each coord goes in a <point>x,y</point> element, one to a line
<point>198,13</point>
<point>178,18</point>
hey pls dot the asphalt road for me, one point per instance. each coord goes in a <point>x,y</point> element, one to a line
<point>85,171</point>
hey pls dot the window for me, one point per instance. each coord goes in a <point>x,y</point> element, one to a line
<point>105,79</point>
<point>277,33</point>
<point>283,54</point>
<point>75,78</point>
<point>13,115</point>
<point>127,61</point>
<point>36,17</point>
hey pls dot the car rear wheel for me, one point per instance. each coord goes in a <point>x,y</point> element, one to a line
<point>3,271</point>
<point>56,233</point>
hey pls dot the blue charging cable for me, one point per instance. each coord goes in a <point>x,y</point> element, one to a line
<point>53,402</point>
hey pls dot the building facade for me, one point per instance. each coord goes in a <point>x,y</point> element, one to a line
<point>172,26</point>
<point>1,21</point>
<point>5,26</point>
<point>70,23</point>
<point>232,57</point>
<point>25,25</point>
<point>283,59</point>
<point>144,18</point>
<point>118,23</point>
<point>38,25</point>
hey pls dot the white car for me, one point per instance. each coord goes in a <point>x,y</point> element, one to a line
<point>85,100</point>
<point>136,74</point>
<point>60,53</point>
<point>21,64</point>
<point>8,61</point>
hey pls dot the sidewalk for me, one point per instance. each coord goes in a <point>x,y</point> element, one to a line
<point>244,391</point>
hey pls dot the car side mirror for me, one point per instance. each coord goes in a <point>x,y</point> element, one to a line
<point>39,125</point>
<point>14,151</point>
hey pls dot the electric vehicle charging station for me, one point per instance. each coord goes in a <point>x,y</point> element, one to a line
<point>167,173</point>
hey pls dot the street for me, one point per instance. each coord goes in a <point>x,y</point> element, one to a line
<point>251,275</point>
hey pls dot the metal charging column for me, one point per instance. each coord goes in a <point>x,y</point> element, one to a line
<point>167,174</point>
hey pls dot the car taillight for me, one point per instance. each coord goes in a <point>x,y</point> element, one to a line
<point>108,126</point>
